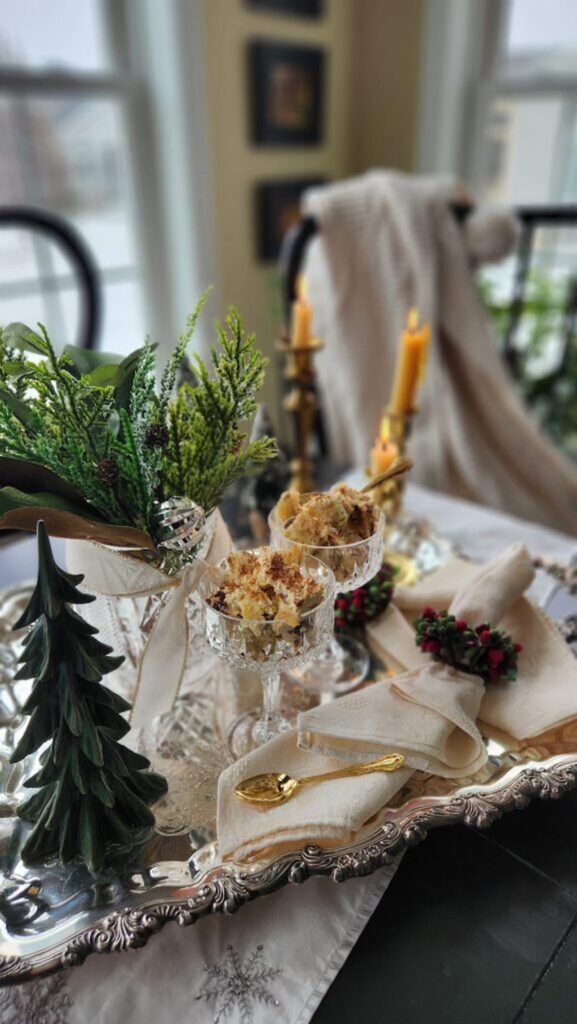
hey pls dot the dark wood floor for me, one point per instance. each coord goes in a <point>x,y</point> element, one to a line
<point>475,928</point>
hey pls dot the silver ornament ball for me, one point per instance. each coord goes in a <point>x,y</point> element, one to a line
<point>178,524</point>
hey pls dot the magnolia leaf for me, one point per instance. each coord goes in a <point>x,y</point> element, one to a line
<point>85,360</point>
<point>14,368</point>
<point>18,335</point>
<point>104,376</point>
<point>31,477</point>
<point>12,498</point>
<point>61,523</point>
<point>126,372</point>
<point>19,408</point>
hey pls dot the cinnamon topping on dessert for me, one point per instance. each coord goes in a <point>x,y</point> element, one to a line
<point>268,585</point>
<point>342,516</point>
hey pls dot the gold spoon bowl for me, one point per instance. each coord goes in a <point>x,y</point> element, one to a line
<point>274,788</point>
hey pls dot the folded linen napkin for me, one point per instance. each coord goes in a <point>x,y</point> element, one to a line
<point>328,813</point>
<point>428,716</point>
<point>545,691</point>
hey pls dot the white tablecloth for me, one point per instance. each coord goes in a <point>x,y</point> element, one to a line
<point>275,959</point>
<point>482,532</point>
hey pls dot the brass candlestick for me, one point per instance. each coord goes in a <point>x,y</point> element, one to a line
<point>302,403</point>
<point>395,427</point>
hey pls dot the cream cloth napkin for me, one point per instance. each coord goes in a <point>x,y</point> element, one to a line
<point>545,691</point>
<point>428,716</point>
<point>327,813</point>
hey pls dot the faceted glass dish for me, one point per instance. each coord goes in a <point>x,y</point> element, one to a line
<point>342,664</point>
<point>266,648</point>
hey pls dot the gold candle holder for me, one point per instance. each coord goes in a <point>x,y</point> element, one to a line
<point>395,427</point>
<point>302,403</point>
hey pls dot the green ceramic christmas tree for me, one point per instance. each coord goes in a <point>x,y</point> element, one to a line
<point>92,791</point>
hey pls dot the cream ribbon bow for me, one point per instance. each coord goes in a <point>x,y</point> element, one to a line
<point>113,573</point>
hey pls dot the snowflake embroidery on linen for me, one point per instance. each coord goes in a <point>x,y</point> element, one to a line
<point>45,1001</point>
<point>234,984</point>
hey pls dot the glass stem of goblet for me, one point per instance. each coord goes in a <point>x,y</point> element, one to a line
<point>331,656</point>
<point>272,720</point>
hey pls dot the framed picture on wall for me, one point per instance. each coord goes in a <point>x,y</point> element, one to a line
<point>277,209</point>
<point>286,93</point>
<point>300,8</point>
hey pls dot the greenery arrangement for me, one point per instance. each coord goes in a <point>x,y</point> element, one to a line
<point>101,441</point>
<point>546,378</point>
<point>480,650</point>
<point>92,791</point>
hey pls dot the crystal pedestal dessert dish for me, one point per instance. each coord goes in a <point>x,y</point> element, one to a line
<point>268,611</point>
<point>345,530</point>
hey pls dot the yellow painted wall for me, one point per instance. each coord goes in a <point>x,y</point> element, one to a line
<point>385,84</point>
<point>366,123</point>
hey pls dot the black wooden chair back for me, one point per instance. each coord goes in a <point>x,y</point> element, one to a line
<point>69,241</point>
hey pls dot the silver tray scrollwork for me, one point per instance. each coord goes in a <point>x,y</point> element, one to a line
<point>53,916</point>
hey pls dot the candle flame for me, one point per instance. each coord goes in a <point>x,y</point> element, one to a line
<point>384,431</point>
<point>301,287</point>
<point>413,319</point>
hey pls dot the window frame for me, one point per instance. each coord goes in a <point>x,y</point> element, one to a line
<point>159,106</point>
<point>462,74</point>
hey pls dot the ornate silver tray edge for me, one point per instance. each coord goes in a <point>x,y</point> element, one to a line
<point>225,888</point>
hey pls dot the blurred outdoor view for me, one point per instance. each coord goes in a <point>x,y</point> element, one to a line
<point>65,151</point>
<point>530,159</point>
<point>67,146</point>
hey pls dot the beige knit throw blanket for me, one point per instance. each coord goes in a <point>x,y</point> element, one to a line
<point>387,242</point>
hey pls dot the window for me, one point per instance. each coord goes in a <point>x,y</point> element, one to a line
<point>63,117</point>
<point>530,156</point>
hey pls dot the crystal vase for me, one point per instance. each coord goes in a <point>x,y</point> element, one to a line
<point>126,622</point>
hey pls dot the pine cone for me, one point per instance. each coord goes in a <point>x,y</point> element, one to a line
<point>156,435</point>
<point>108,470</point>
<point>365,603</point>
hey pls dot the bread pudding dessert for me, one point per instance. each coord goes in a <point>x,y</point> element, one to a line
<point>267,586</point>
<point>341,516</point>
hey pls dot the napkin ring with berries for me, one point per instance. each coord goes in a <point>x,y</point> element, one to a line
<point>364,603</point>
<point>480,650</point>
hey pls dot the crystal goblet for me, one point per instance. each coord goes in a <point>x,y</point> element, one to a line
<point>342,663</point>
<point>266,647</point>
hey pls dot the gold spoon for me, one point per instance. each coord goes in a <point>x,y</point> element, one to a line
<point>401,465</point>
<point>275,788</point>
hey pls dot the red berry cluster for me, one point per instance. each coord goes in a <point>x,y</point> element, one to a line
<point>481,650</point>
<point>365,603</point>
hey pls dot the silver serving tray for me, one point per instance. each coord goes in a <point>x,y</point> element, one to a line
<point>53,917</point>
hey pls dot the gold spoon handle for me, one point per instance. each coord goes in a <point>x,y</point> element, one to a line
<point>401,465</point>
<point>388,763</point>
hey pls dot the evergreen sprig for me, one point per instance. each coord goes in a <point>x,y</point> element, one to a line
<point>120,441</point>
<point>206,451</point>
